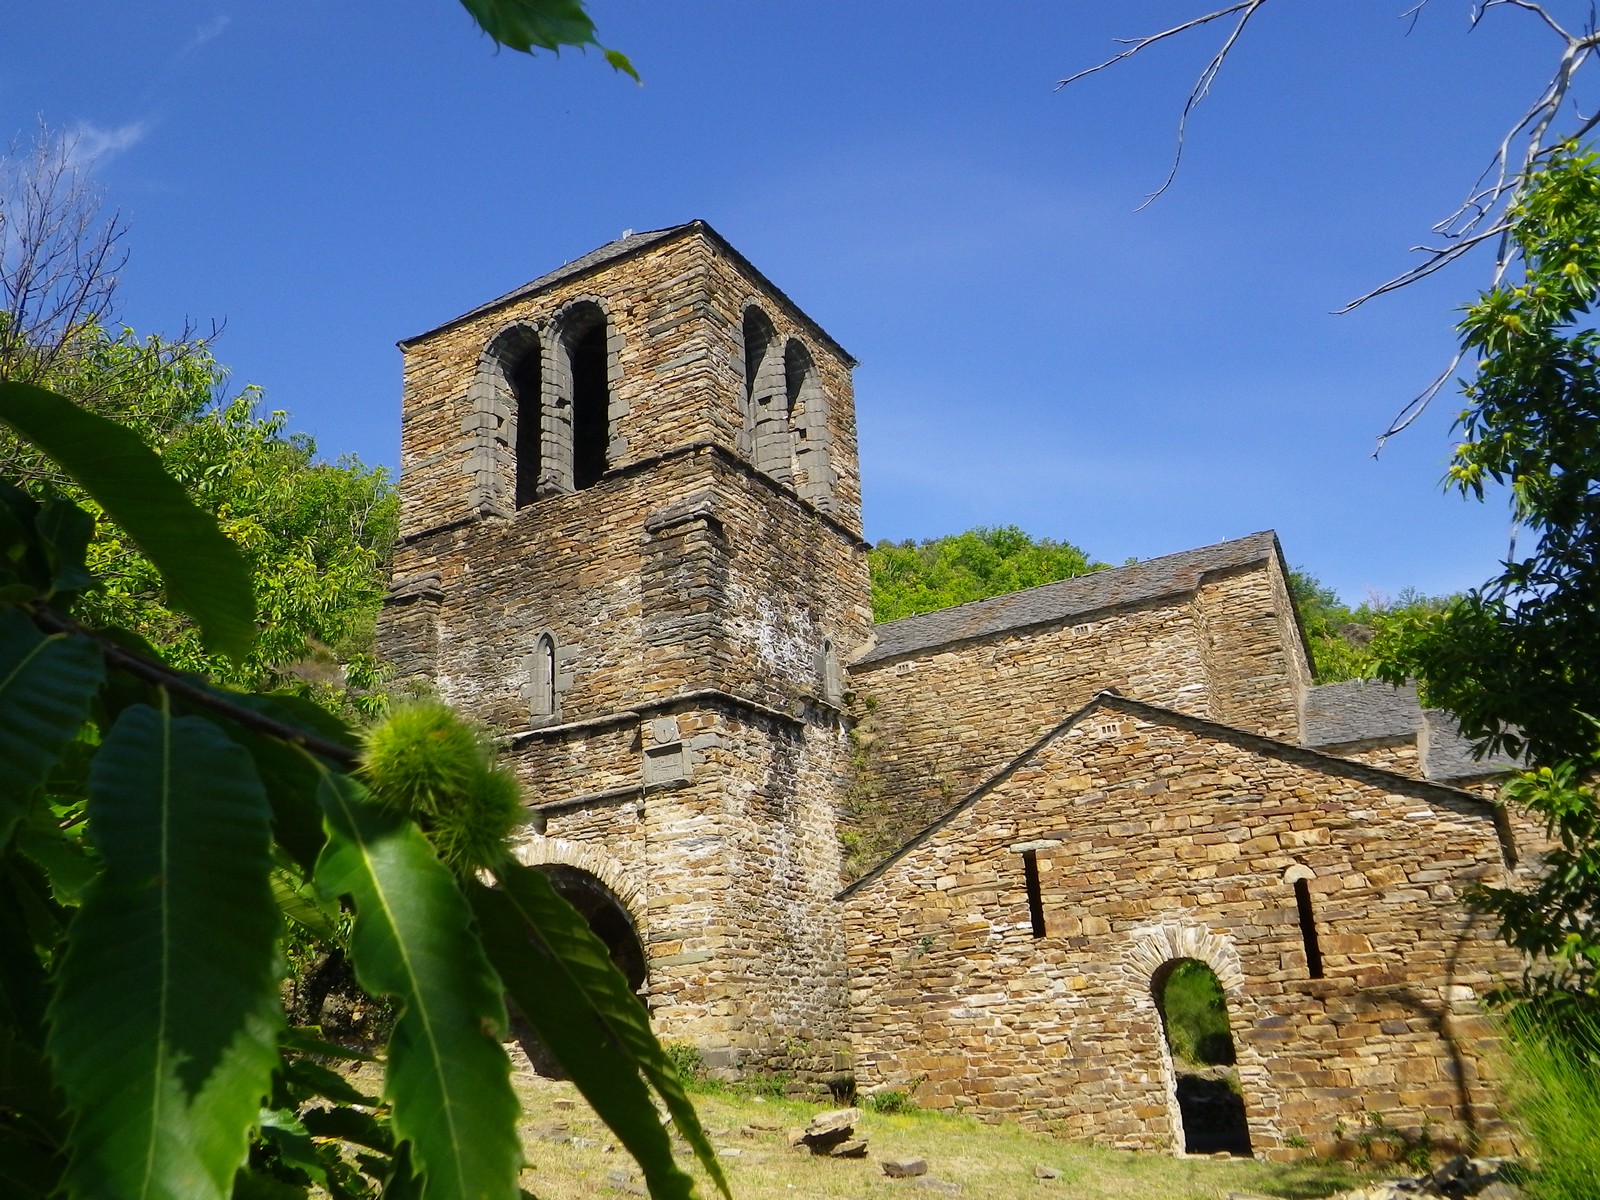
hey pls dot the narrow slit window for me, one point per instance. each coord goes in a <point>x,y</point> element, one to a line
<point>1030,876</point>
<point>543,684</point>
<point>1308,928</point>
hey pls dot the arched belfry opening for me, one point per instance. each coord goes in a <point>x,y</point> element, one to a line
<point>766,403</point>
<point>526,377</point>
<point>585,342</point>
<point>806,412</point>
<point>1199,1041</point>
<point>508,399</point>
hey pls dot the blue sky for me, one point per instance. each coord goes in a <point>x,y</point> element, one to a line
<point>329,176</point>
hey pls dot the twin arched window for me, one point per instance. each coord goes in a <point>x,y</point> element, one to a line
<point>543,397</point>
<point>785,432</point>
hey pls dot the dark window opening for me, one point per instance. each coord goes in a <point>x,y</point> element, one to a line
<point>1030,876</point>
<point>591,407</point>
<point>1308,928</point>
<point>526,379</point>
<point>758,335</point>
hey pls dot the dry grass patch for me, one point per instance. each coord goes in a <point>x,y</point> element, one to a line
<point>574,1155</point>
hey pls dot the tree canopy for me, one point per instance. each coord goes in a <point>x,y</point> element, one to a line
<point>917,577</point>
<point>1517,661</point>
<point>1340,636</point>
<point>315,535</point>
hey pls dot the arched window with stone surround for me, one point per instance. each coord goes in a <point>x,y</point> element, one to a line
<point>507,418</point>
<point>541,666</point>
<point>766,411</point>
<point>806,412</point>
<point>584,392</point>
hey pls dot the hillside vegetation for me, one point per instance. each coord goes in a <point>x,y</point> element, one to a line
<point>909,578</point>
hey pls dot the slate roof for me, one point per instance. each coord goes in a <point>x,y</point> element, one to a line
<point>1360,710</point>
<point>1449,755</point>
<point>598,257</point>
<point>632,243</point>
<point>1169,575</point>
<point>1364,710</point>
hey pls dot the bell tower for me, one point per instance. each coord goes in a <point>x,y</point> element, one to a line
<point>631,545</point>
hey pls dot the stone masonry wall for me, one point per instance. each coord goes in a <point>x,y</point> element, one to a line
<point>734,864</point>
<point>947,719</point>
<point>1254,654</point>
<point>676,375</point>
<point>696,750</point>
<point>1159,837</point>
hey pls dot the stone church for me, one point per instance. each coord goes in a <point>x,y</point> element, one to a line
<point>631,545</point>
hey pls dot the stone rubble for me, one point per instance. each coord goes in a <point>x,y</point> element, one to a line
<point>832,1133</point>
<point>905,1168</point>
<point>1461,1178</point>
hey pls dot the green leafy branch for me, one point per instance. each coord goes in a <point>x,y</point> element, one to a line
<point>157,834</point>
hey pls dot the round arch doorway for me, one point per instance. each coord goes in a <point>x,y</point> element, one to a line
<point>609,920</point>
<point>1199,1042</point>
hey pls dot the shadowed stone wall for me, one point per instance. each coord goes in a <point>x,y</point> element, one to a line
<point>945,717</point>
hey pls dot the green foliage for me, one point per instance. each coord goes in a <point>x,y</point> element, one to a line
<point>159,835</point>
<point>1340,637</point>
<point>163,1020</point>
<point>1555,1100</point>
<point>204,573</point>
<point>425,762</point>
<point>543,24</point>
<point>1518,660</point>
<point>314,536</point>
<point>687,1062</point>
<point>889,1102</point>
<point>449,1078</point>
<point>1195,1015</point>
<point>917,577</point>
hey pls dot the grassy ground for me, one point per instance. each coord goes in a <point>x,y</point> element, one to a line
<point>573,1155</point>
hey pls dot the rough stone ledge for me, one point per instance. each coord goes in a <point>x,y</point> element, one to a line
<point>650,463</point>
<point>610,796</point>
<point>703,696</point>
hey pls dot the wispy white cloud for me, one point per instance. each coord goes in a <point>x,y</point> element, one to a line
<point>89,146</point>
<point>208,32</point>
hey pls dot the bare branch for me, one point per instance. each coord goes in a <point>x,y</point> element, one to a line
<point>1137,44</point>
<point>1202,87</point>
<point>59,257</point>
<point>1438,257</point>
<point>1202,84</point>
<point>1419,403</point>
<point>1486,214</point>
<point>1413,13</point>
